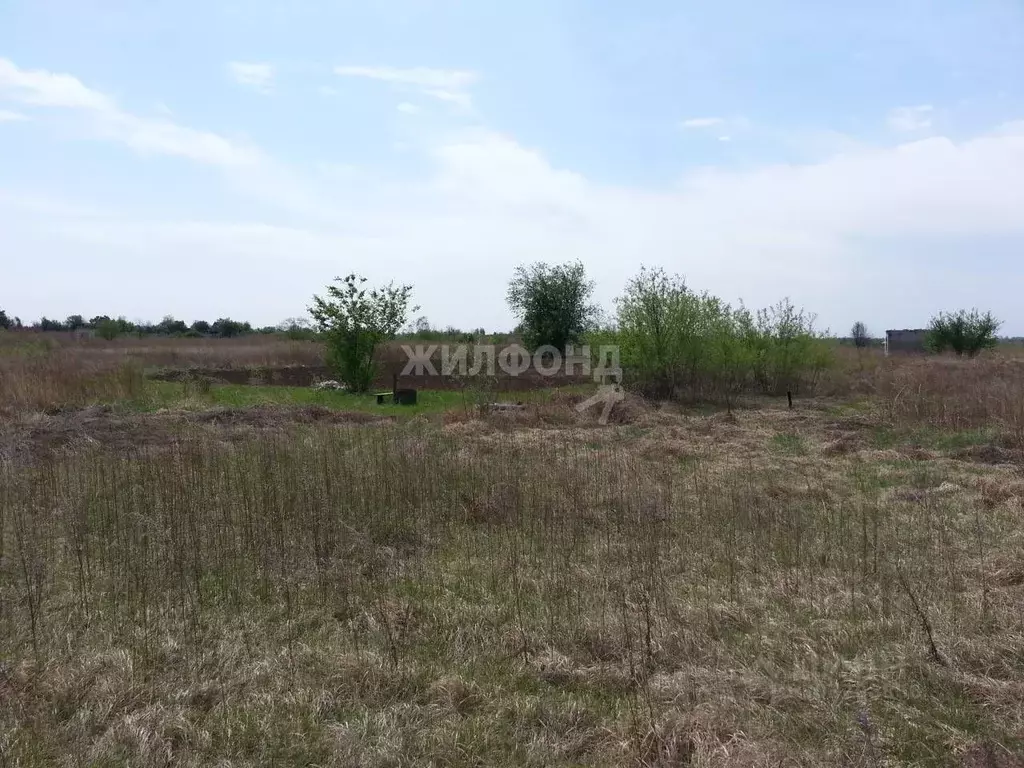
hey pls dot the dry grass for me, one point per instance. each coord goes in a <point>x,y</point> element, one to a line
<point>683,590</point>
<point>53,370</point>
<point>835,585</point>
<point>957,394</point>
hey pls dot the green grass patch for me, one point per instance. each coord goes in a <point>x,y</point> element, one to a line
<point>168,394</point>
<point>789,444</point>
<point>931,438</point>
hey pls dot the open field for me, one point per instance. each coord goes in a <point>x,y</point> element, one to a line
<point>248,576</point>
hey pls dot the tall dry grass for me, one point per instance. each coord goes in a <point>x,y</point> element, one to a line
<point>956,394</point>
<point>46,371</point>
<point>408,596</point>
<point>58,379</point>
<point>239,352</point>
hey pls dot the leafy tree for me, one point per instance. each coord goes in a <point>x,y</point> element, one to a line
<point>355,321</point>
<point>226,328</point>
<point>859,334</point>
<point>964,332</point>
<point>46,324</point>
<point>169,326</point>
<point>201,326</point>
<point>106,328</point>
<point>788,351</point>
<point>74,322</point>
<point>674,340</point>
<point>5,321</point>
<point>552,303</point>
<point>297,329</point>
<point>648,320</point>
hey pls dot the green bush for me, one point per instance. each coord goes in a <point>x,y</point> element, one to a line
<point>108,329</point>
<point>552,304</point>
<point>964,332</point>
<point>677,343</point>
<point>787,353</point>
<point>354,322</point>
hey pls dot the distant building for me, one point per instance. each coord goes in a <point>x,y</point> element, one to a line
<point>906,340</point>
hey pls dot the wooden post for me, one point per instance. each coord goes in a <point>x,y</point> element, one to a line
<point>789,397</point>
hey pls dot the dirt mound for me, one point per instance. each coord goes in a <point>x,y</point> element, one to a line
<point>631,410</point>
<point>265,415</point>
<point>39,435</point>
<point>842,444</point>
<point>988,453</point>
<point>281,375</point>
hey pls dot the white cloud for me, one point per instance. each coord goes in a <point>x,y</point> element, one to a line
<point>702,122</point>
<point>462,100</point>
<point>911,119</point>
<point>423,77</point>
<point>147,135</point>
<point>808,231</point>
<point>46,89</point>
<point>252,75</point>
<point>6,116</point>
<point>407,108</point>
<point>721,128</point>
<point>449,85</point>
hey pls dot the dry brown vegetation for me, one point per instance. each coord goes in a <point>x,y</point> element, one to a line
<point>836,585</point>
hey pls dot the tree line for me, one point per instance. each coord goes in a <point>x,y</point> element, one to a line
<point>107,327</point>
<point>673,341</point>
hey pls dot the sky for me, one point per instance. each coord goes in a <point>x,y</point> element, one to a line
<point>211,158</point>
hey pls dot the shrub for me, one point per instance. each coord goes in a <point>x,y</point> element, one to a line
<point>108,329</point>
<point>225,328</point>
<point>787,353</point>
<point>674,342</point>
<point>653,327</point>
<point>964,332</point>
<point>354,322</point>
<point>859,334</point>
<point>552,304</point>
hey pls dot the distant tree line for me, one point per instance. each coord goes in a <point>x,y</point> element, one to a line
<point>108,327</point>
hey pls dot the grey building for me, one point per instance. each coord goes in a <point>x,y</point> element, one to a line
<point>906,340</point>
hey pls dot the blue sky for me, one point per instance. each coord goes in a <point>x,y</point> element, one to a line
<point>215,158</point>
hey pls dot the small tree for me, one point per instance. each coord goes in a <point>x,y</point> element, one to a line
<point>170,327</point>
<point>860,335</point>
<point>5,321</point>
<point>964,332</point>
<point>649,319</point>
<point>354,322</point>
<point>227,328</point>
<point>552,303</point>
<point>787,350</point>
<point>107,329</point>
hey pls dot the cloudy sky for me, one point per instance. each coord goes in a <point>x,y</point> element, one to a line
<point>204,158</point>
